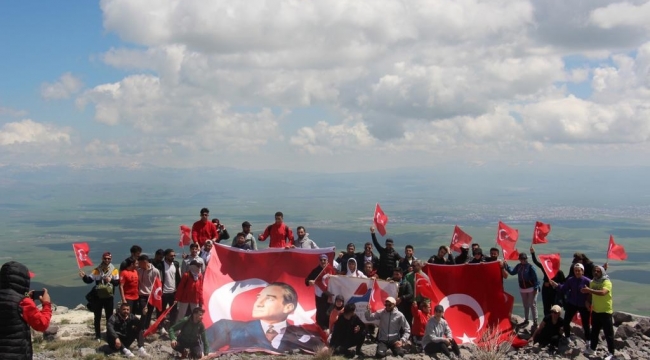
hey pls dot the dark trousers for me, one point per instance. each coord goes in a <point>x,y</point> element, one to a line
<point>322,319</point>
<point>98,305</point>
<point>602,321</point>
<point>544,339</point>
<point>355,340</point>
<point>383,346</point>
<point>195,347</point>
<point>548,298</point>
<point>569,313</point>
<point>133,334</point>
<point>167,301</point>
<point>143,302</point>
<point>441,347</point>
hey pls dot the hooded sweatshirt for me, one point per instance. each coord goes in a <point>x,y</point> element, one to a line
<point>305,243</point>
<point>356,272</point>
<point>391,325</point>
<point>18,312</point>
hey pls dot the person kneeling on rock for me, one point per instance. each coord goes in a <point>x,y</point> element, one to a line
<point>192,339</point>
<point>550,329</point>
<point>123,329</point>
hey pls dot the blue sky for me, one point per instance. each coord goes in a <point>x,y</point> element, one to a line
<point>323,86</point>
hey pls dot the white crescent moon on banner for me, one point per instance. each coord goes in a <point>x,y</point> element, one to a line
<point>158,294</point>
<point>81,254</point>
<point>546,264</point>
<point>503,235</point>
<point>464,299</point>
<point>221,299</point>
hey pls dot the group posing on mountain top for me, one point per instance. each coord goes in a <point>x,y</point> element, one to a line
<point>405,324</point>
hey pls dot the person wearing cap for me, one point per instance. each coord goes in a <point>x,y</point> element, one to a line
<point>348,331</point>
<point>600,289</point>
<point>103,274</point>
<point>388,257</point>
<point>477,256</point>
<point>549,294</point>
<point>321,296</point>
<point>463,258</point>
<point>18,311</point>
<point>249,238</point>
<point>437,335</point>
<point>393,330</point>
<point>528,286</point>
<point>303,241</point>
<point>576,301</point>
<point>550,329</point>
<point>190,290</point>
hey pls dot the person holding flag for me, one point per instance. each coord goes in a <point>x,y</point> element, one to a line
<point>105,275</point>
<point>147,275</point>
<point>321,295</point>
<point>549,295</point>
<point>388,257</point>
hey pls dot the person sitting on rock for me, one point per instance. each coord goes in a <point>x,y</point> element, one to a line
<point>437,335</point>
<point>394,330</point>
<point>191,340</point>
<point>550,329</point>
<point>123,329</point>
<point>348,331</point>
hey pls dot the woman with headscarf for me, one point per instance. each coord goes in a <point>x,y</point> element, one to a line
<point>600,289</point>
<point>528,286</point>
<point>352,269</point>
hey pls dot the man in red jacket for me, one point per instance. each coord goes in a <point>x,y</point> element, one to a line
<point>281,235</point>
<point>18,312</point>
<point>204,230</point>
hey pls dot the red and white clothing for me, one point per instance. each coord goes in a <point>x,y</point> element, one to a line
<point>189,293</point>
<point>281,235</point>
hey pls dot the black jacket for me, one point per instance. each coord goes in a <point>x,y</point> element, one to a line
<point>387,259</point>
<point>15,334</point>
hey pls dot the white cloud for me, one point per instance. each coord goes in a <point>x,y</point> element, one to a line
<point>622,14</point>
<point>31,132</point>
<point>329,139</point>
<point>66,86</point>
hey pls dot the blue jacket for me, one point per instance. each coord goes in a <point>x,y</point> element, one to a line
<point>526,275</point>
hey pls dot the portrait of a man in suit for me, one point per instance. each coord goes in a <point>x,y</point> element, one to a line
<point>269,331</point>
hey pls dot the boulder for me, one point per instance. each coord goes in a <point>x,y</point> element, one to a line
<point>625,331</point>
<point>643,326</point>
<point>621,317</point>
<point>51,330</point>
<point>58,310</point>
<point>80,307</point>
<point>84,352</point>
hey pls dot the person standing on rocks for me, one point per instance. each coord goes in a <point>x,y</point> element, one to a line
<point>528,286</point>
<point>600,289</point>
<point>18,312</point>
<point>576,301</point>
<point>105,274</point>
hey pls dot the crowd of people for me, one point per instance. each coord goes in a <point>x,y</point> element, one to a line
<point>405,324</point>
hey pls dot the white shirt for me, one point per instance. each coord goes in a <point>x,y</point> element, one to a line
<point>169,285</point>
<point>280,327</point>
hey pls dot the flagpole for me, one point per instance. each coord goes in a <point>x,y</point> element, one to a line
<point>76,257</point>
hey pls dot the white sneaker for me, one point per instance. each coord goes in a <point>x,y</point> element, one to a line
<point>142,352</point>
<point>588,351</point>
<point>610,357</point>
<point>126,352</point>
<point>163,332</point>
<point>588,343</point>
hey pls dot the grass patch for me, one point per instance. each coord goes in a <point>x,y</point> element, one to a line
<point>65,321</point>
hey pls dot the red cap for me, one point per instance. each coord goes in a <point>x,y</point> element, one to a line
<point>107,254</point>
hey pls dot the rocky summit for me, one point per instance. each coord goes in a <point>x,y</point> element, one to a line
<point>70,336</point>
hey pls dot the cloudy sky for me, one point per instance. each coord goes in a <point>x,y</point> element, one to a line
<point>332,85</point>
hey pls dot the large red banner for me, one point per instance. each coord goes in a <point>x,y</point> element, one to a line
<point>474,300</point>
<point>247,292</point>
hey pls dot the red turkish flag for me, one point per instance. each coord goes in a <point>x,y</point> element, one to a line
<point>551,264</point>
<point>540,232</point>
<point>378,297</point>
<point>235,277</point>
<point>155,298</point>
<point>423,286</point>
<point>380,219</point>
<point>459,238</point>
<point>81,253</point>
<point>615,251</point>
<point>320,283</point>
<point>185,233</point>
<point>469,309</point>
<point>152,329</point>
<point>510,253</point>
<point>506,236</point>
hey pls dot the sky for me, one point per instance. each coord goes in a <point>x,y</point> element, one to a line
<point>324,86</point>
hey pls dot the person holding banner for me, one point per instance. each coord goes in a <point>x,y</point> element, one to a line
<point>321,297</point>
<point>105,275</point>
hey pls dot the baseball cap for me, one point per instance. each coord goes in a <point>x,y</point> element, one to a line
<point>464,246</point>
<point>579,265</point>
<point>556,309</point>
<point>391,300</point>
<point>245,223</point>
